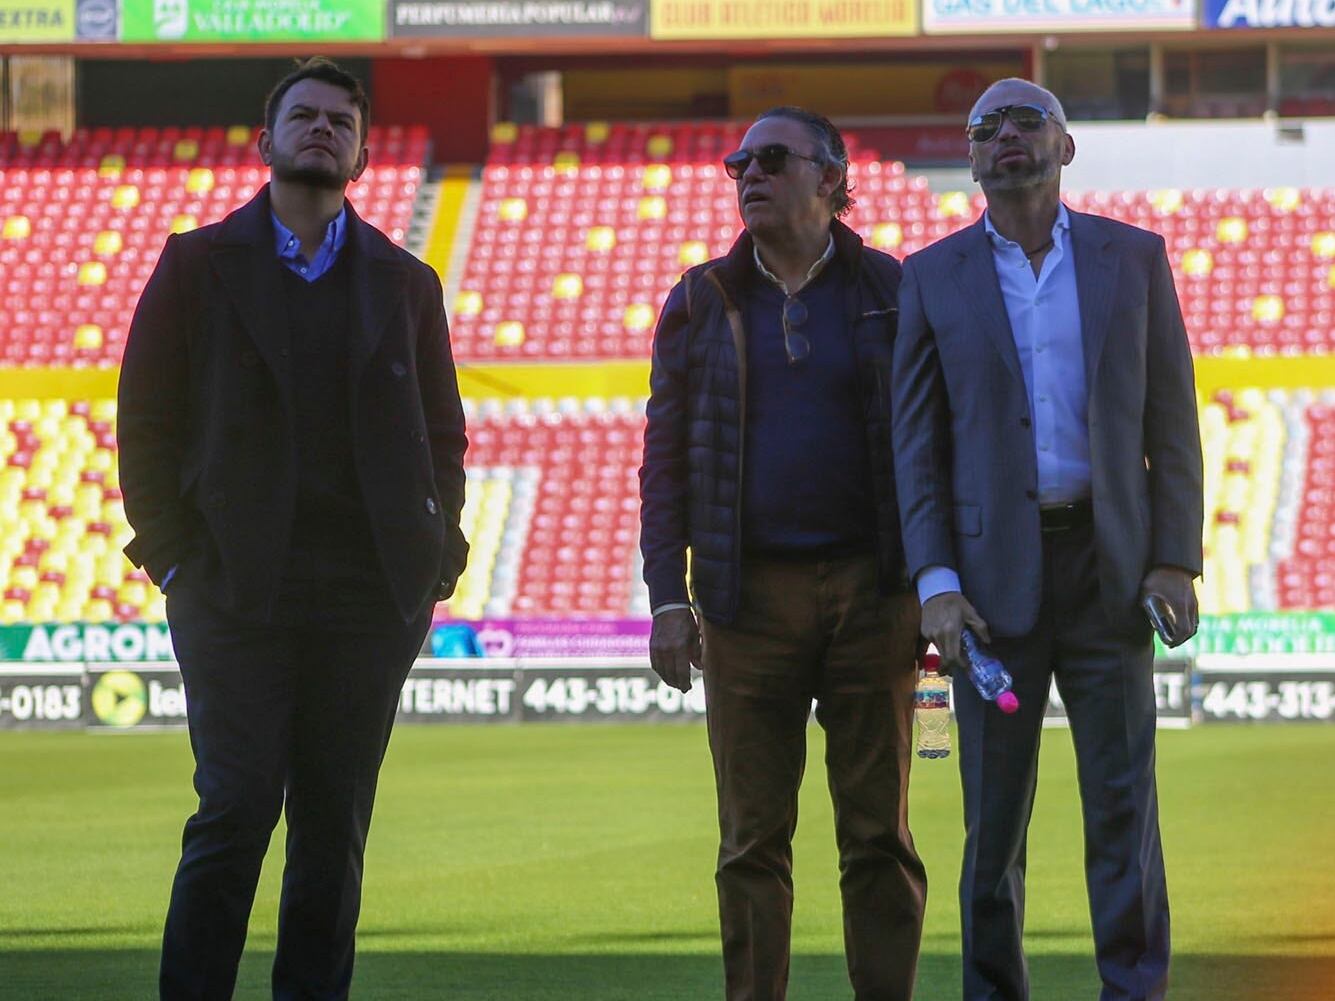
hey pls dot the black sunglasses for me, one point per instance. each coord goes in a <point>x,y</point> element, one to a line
<point>795,342</point>
<point>1027,117</point>
<point>772,159</point>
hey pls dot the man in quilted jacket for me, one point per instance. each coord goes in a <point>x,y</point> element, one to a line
<point>767,458</point>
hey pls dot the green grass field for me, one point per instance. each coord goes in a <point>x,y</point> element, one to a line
<point>575,863</point>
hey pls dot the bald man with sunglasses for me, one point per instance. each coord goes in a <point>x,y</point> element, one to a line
<point>1049,466</point>
<point>767,458</point>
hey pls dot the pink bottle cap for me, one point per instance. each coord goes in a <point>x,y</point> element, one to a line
<point>1007,702</point>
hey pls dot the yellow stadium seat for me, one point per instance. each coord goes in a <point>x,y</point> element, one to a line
<point>111,166</point>
<point>659,146</point>
<point>692,252</point>
<point>107,243</point>
<point>1232,229</point>
<point>954,205</point>
<point>92,273</point>
<point>239,135</point>
<point>657,177</point>
<point>185,150</point>
<point>1268,308</point>
<point>1283,199</point>
<point>184,223</point>
<point>596,133</point>
<point>512,209</point>
<point>88,336</point>
<point>887,235</point>
<point>600,238</point>
<point>652,207</point>
<point>509,334</point>
<point>567,286</point>
<point>1198,263</point>
<point>638,317</point>
<point>98,610</point>
<point>504,133</point>
<point>17,227</point>
<point>125,197</point>
<point>468,303</point>
<point>199,181</point>
<point>1167,201</point>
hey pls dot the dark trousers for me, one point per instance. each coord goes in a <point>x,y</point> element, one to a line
<point>296,714</point>
<point>1104,673</point>
<point>804,631</point>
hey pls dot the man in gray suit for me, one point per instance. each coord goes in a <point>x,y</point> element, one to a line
<point>1049,468</point>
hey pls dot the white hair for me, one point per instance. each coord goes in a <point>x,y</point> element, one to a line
<point>1049,99</point>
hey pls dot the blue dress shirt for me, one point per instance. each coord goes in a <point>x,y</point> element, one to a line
<point>288,247</point>
<point>1044,313</point>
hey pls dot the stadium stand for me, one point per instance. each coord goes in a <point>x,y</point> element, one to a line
<point>552,509</point>
<point>82,223</point>
<point>579,232</point>
<point>619,211</point>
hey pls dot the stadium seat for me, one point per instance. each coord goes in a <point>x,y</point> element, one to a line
<point>91,215</point>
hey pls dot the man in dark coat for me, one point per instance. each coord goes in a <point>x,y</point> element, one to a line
<point>767,457</point>
<point>291,446</point>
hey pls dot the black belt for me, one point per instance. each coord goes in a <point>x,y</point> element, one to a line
<point>1064,517</point>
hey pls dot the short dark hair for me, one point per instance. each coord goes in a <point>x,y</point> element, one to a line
<point>830,146</point>
<point>326,71</point>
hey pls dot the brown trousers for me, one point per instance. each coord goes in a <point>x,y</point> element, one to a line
<point>804,631</point>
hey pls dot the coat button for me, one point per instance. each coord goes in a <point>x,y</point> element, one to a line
<point>431,506</point>
<point>419,437</point>
<point>249,359</point>
<point>399,369</point>
<point>1024,422</point>
<point>1031,494</point>
<point>284,352</point>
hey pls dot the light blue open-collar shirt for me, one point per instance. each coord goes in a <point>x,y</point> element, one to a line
<point>1044,314</point>
<point>288,247</point>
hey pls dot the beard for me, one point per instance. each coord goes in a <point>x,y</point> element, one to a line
<point>1039,170</point>
<point>330,177</point>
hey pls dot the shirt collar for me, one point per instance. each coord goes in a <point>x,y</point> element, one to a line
<point>1060,225</point>
<point>815,269</point>
<point>288,246</point>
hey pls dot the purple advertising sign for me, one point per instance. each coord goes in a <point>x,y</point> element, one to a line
<point>539,638</point>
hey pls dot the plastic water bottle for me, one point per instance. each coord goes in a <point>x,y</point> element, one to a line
<point>931,708</point>
<point>988,675</point>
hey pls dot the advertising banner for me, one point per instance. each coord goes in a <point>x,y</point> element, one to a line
<point>698,20</point>
<point>625,690</point>
<point>1247,634</point>
<point>1269,14</point>
<point>1265,689</point>
<point>614,689</point>
<point>42,644</point>
<point>48,697</point>
<point>139,697</point>
<point>517,18</point>
<point>36,21</point>
<point>1018,16</point>
<point>540,638</point>
<point>252,20</point>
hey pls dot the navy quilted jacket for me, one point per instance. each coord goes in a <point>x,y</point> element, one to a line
<point>691,479</point>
